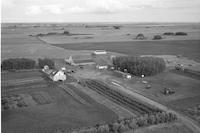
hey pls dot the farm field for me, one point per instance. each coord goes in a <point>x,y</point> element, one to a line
<point>186,48</point>
<point>34,104</point>
<point>167,128</point>
<point>45,107</point>
<point>184,100</point>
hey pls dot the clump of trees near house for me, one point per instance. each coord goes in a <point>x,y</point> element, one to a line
<point>17,64</point>
<point>139,65</point>
<point>168,34</point>
<point>181,34</point>
<point>46,61</point>
<point>24,63</point>
<point>127,124</point>
<point>157,37</point>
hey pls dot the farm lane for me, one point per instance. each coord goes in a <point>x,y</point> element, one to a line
<point>186,120</point>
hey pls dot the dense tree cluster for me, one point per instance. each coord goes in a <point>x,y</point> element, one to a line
<point>139,65</point>
<point>116,27</point>
<point>180,34</point>
<point>169,34</point>
<point>46,61</point>
<point>157,37</point>
<point>132,123</point>
<point>17,64</point>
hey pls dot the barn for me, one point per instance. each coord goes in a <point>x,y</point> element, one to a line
<point>80,60</point>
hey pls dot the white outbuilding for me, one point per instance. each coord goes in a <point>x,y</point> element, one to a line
<point>100,52</point>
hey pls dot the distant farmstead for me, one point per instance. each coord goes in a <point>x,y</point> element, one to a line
<point>100,52</point>
<point>80,60</point>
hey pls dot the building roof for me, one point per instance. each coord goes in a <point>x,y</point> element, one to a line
<point>78,59</point>
<point>81,57</point>
<point>99,51</point>
<point>53,73</point>
<point>83,61</point>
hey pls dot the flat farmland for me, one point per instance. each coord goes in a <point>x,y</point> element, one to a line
<point>19,75</point>
<point>186,48</point>
<point>49,108</point>
<point>185,99</point>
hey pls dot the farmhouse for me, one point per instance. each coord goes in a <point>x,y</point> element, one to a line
<point>80,60</point>
<point>55,75</point>
<point>100,52</point>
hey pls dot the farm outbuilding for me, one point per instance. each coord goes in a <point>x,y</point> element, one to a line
<point>100,52</point>
<point>122,74</point>
<point>80,60</point>
<point>101,67</point>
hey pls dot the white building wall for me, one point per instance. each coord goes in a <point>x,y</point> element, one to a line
<point>59,76</point>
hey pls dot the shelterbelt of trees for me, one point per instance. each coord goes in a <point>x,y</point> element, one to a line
<point>24,63</point>
<point>139,65</point>
<point>128,124</point>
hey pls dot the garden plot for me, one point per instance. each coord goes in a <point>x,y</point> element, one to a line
<point>17,101</point>
<point>42,98</point>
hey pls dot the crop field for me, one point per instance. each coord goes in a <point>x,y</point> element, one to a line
<point>186,48</point>
<point>44,107</point>
<point>32,104</point>
<point>134,105</point>
<point>165,128</point>
<point>188,106</point>
<point>185,99</point>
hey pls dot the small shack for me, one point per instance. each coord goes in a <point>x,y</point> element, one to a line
<point>122,74</point>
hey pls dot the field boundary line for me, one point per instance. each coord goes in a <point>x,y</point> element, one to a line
<point>119,110</point>
<point>74,95</point>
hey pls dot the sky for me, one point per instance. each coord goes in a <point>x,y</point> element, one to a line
<point>100,10</point>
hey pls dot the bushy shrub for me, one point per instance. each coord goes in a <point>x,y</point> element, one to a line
<point>17,64</point>
<point>140,36</point>
<point>66,32</point>
<point>181,34</point>
<point>139,65</point>
<point>116,27</point>
<point>157,37</point>
<point>46,61</point>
